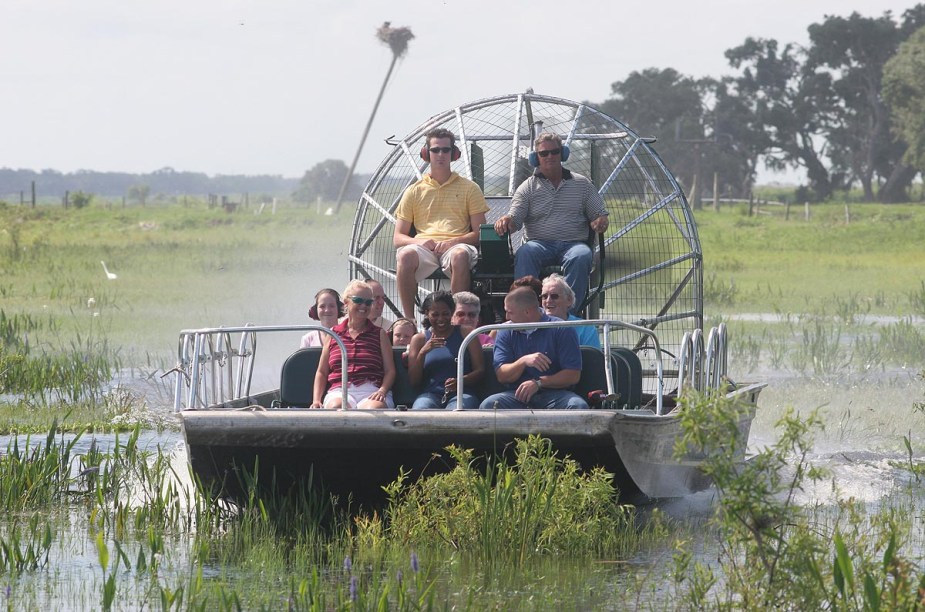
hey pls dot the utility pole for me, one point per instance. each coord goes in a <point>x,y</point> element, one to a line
<point>397,40</point>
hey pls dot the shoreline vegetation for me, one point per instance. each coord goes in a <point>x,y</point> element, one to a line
<point>533,534</point>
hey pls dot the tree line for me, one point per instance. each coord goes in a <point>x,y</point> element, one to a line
<point>848,108</point>
<point>165,181</point>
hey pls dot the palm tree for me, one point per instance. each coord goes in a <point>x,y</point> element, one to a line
<point>397,40</point>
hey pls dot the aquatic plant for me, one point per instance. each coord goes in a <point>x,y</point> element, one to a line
<point>774,553</point>
<point>718,292</point>
<point>821,352</point>
<point>916,299</point>
<point>507,512</point>
<point>24,552</point>
<point>35,475</point>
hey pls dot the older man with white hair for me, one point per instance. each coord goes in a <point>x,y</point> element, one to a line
<point>558,299</point>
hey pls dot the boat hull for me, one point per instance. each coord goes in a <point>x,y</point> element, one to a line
<point>355,453</point>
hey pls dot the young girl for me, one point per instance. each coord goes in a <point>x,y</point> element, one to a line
<point>402,331</point>
<point>326,309</point>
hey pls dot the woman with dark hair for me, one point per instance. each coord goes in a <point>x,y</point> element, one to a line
<point>432,357</point>
<point>326,310</point>
<point>529,281</point>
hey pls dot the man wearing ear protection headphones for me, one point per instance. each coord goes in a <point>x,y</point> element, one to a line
<point>446,211</point>
<point>555,207</point>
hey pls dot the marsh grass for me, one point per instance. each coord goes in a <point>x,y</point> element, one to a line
<point>25,547</point>
<point>777,554</point>
<point>177,267</point>
<point>875,260</point>
<point>504,514</point>
<point>831,340</point>
<point>156,540</point>
<point>916,298</point>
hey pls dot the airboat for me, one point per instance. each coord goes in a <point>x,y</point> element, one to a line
<point>646,298</point>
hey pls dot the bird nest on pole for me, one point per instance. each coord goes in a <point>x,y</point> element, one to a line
<point>396,38</point>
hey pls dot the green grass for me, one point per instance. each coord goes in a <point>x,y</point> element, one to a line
<point>177,267</point>
<point>192,266</point>
<point>793,265</point>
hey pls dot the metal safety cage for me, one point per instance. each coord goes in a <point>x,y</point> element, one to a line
<point>652,267</point>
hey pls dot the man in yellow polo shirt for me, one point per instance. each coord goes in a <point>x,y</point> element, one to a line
<point>446,211</point>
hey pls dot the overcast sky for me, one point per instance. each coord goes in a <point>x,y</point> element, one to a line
<point>276,86</point>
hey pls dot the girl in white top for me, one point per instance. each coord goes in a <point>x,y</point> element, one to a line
<point>326,310</point>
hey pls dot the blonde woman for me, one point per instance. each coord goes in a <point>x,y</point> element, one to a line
<point>370,366</point>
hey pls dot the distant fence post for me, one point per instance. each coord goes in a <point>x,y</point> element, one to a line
<point>787,211</point>
<point>33,194</point>
<point>67,196</point>
<point>847,215</point>
<point>751,204</point>
<point>715,191</point>
<point>806,210</point>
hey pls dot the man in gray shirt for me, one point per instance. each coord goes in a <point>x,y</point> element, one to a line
<point>555,207</point>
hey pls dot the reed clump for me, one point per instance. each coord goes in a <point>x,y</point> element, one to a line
<point>775,553</point>
<point>503,513</point>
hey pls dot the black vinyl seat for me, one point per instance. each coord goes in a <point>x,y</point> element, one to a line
<point>403,392</point>
<point>625,368</point>
<point>593,376</point>
<point>627,374</point>
<point>297,378</point>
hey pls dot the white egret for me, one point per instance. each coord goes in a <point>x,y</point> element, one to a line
<point>109,274</point>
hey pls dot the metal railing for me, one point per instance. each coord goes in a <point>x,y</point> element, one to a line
<point>605,323</point>
<point>211,370</point>
<point>703,366</point>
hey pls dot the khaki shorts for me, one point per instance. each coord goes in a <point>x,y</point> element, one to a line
<point>427,260</point>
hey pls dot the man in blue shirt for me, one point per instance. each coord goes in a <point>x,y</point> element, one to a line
<point>539,366</point>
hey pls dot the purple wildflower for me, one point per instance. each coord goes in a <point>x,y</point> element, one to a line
<point>353,588</point>
<point>398,576</point>
<point>414,562</point>
<point>348,564</point>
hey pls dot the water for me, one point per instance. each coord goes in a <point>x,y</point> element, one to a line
<point>861,446</point>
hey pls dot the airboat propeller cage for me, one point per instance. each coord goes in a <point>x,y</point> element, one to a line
<point>652,268</point>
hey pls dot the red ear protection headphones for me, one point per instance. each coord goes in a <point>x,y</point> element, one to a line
<point>425,153</point>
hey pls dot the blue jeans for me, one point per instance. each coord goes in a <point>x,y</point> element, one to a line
<point>431,401</point>
<point>574,257</point>
<point>545,398</point>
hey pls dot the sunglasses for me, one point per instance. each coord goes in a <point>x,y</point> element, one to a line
<point>549,296</point>
<point>549,152</point>
<point>440,149</point>
<point>358,300</point>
